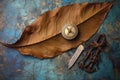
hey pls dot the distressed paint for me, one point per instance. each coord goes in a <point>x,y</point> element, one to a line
<point>16,14</point>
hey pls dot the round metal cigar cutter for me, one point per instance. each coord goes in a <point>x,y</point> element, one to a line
<point>69,31</point>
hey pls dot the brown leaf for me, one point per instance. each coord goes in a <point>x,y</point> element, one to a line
<point>43,37</point>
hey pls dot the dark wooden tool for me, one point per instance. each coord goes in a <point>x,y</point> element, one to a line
<point>91,58</point>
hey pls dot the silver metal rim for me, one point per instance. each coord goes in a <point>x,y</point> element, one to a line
<point>65,36</point>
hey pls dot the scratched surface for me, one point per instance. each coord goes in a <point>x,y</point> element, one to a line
<point>16,14</point>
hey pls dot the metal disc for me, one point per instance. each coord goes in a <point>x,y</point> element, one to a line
<point>69,31</point>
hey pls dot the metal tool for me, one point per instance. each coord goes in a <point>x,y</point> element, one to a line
<point>75,56</point>
<point>92,55</point>
<point>91,58</point>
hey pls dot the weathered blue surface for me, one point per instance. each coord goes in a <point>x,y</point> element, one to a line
<point>16,14</point>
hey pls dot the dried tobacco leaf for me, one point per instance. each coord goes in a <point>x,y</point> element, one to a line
<point>43,37</point>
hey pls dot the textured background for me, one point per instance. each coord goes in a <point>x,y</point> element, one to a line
<point>16,14</point>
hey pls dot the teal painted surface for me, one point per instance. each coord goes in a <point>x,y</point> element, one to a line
<point>16,14</point>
